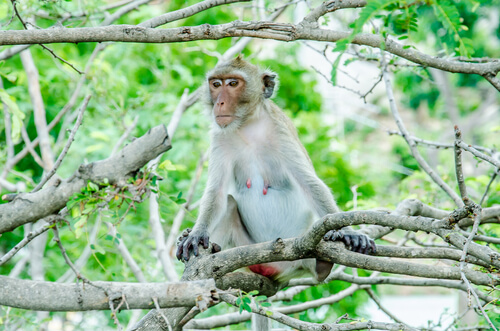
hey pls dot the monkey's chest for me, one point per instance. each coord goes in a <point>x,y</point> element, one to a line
<point>271,202</point>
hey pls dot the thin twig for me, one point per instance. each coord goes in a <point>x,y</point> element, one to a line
<point>60,58</point>
<point>379,304</point>
<point>66,147</point>
<point>478,154</point>
<point>43,46</point>
<point>411,143</point>
<point>158,309</point>
<point>486,239</point>
<point>114,309</point>
<point>57,239</point>
<point>125,135</point>
<point>458,164</point>
<point>29,237</point>
<point>30,146</point>
<point>493,177</point>
<point>436,144</point>
<point>477,220</point>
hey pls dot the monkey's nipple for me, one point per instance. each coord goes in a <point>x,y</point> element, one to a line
<point>266,187</point>
<point>249,183</point>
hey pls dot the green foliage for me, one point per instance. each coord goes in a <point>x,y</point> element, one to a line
<point>448,15</point>
<point>403,19</point>
<point>17,116</point>
<point>245,299</point>
<point>297,86</point>
<point>333,167</point>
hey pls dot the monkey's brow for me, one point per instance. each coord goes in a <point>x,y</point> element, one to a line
<point>226,76</point>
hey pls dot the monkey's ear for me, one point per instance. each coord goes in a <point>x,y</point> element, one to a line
<point>269,83</point>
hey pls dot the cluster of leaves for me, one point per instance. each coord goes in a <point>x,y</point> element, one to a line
<point>451,23</point>
<point>245,299</point>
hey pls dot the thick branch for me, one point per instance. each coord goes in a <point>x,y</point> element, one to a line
<point>264,30</point>
<point>219,264</point>
<point>30,207</point>
<point>48,296</point>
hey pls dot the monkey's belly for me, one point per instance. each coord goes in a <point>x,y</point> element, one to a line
<point>270,212</point>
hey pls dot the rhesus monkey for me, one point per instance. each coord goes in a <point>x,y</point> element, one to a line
<point>261,183</point>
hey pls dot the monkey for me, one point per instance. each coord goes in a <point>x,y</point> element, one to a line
<point>261,183</point>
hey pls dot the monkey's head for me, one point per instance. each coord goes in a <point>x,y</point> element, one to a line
<point>235,89</point>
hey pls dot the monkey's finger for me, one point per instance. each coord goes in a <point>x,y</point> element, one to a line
<point>373,247</point>
<point>347,241</point>
<point>205,241</point>
<point>333,235</point>
<point>178,254</point>
<point>216,248</point>
<point>363,245</point>
<point>329,235</point>
<point>187,245</point>
<point>195,247</point>
<point>355,243</point>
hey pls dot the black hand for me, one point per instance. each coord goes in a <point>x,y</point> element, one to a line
<point>190,241</point>
<point>354,241</point>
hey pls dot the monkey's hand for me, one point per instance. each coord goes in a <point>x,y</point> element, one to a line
<point>353,240</point>
<point>190,240</point>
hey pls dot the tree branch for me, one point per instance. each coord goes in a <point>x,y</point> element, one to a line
<point>48,296</point>
<point>66,147</point>
<point>29,207</point>
<point>264,30</point>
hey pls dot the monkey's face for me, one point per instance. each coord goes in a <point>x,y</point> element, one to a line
<point>226,95</point>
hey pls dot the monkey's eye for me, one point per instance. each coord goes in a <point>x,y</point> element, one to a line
<point>232,82</point>
<point>216,83</point>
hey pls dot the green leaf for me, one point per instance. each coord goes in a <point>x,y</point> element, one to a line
<point>265,304</point>
<point>447,13</point>
<point>247,307</point>
<point>17,116</point>
<point>92,187</point>
<point>99,249</point>
<point>334,69</point>
<point>167,165</point>
<point>371,9</point>
<point>79,225</point>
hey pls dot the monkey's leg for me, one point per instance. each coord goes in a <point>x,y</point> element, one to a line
<point>323,269</point>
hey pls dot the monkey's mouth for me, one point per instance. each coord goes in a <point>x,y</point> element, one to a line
<point>224,120</point>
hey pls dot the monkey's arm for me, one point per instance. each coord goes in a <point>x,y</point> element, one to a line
<point>212,209</point>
